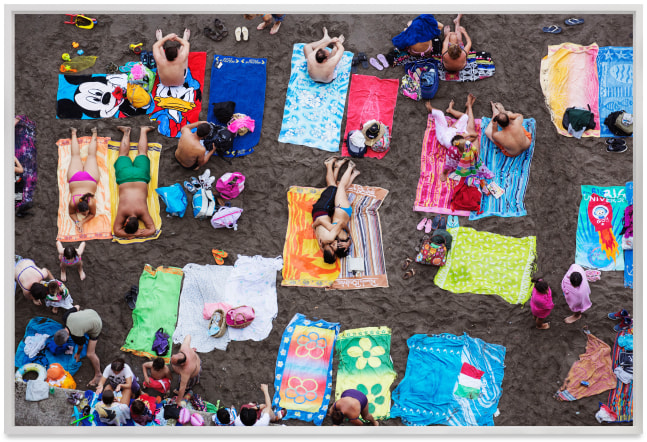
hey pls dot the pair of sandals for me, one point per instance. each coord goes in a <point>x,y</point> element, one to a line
<point>359,58</point>
<point>219,255</point>
<point>616,145</point>
<point>148,59</point>
<point>242,31</point>
<point>554,29</point>
<point>380,63</point>
<point>131,297</point>
<point>219,33</point>
<point>410,273</point>
<point>438,222</point>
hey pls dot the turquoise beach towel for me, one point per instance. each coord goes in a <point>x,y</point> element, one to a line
<point>511,173</point>
<point>313,111</point>
<point>615,75</point>
<point>450,380</point>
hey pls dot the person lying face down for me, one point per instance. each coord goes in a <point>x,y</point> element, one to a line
<point>321,62</point>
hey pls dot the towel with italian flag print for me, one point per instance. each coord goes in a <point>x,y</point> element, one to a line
<point>469,382</point>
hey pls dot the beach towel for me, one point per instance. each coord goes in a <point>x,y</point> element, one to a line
<point>365,364</point>
<point>629,254</point>
<point>241,80</point>
<point>45,357</point>
<point>314,111</point>
<point>433,195</point>
<point>598,228</point>
<point>99,227</point>
<point>479,66</point>
<point>154,151</point>
<point>366,232</point>
<point>303,260</point>
<point>511,173</point>
<point>422,28</point>
<point>177,106</point>
<point>25,151</point>
<point>569,77</point>
<point>303,376</point>
<point>616,79</point>
<point>77,97</point>
<point>594,367</point>
<point>621,399</point>
<point>489,264</point>
<point>434,385</point>
<point>157,302</point>
<point>370,98</point>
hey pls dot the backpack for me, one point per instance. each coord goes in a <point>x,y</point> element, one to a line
<point>240,317</point>
<point>222,139</point>
<point>466,197</point>
<point>429,80</point>
<point>230,185</point>
<point>160,344</point>
<point>578,118</point>
<point>226,217</point>
<point>620,123</point>
<point>203,203</point>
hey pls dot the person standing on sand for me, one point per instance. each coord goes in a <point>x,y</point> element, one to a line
<point>172,61</point>
<point>321,62</point>
<point>132,178</point>
<point>77,323</point>
<point>576,291</point>
<point>513,139</point>
<point>188,365</point>
<point>269,20</point>
<point>541,303</point>
<point>454,52</point>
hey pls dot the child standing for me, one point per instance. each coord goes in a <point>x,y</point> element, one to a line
<point>541,303</point>
<point>70,257</point>
<point>576,291</point>
<point>59,296</point>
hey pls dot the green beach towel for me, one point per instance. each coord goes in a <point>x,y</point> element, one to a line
<point>157,304</point>
<point>365,365</point>
<point>489,264</point>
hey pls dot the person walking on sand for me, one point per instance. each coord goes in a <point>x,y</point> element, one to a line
<point>513,139</point>
<point>172,61</point>
<point>273,21</point>
<point>82,180</point>
<point>132,178</point>
<point>577,292</point>
<point>541,303</point>
<point>321,62</point>
<point>454,52</point>
<point>77,323</point>
<point>188,365</point>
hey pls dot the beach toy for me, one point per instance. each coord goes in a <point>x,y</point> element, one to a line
<point>42,373</point>
<point>78,64</point>
<point>75,44</point>
<point>81,21</point>
<point>136,47</point>
<point>80,52</point>
<point>66,56</point>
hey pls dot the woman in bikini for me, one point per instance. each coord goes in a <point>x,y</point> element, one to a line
<point>351,405</point>
<point>29,278</point>
<point>82,179</point>
<point>454,51</point>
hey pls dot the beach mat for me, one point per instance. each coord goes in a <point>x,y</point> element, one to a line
<point>569,78</point>
<point>25,151</point>
<point>156,307</point>
<point>479,66</point>
<point>370,98</point>
<point>511,173</point>
<point>303,260</point>
<point>433,195</point>
<point>489,264</point>
<point>313,111</point>
<point>621,398</point>
<point>45,357</point>
<point>594,367</point>
<point>99,227</point>
<point>365,364</point>
<point>76,97</point>
<point>615,76</point>
<point>177,106</point>
<point>154,151</point>
<point>303,376</point>
<point>629,254</point>
<point>450,380</point>
<point>366,232</point>
<point>241,80</point>
<point>599,224</point>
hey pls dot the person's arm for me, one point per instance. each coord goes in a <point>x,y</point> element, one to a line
<point>468,42</point>
<point>59,247</point>
<point>47,273</point>
<point>193,125</point>
<point>81,248</point>
<point>513,116</point>
<point>87,218</point>
<point>71,209</point>
<point>185,46</point>
<point>334,58</point>
<point>101,383</point>
<point>204,159</point>
<point>149,226</point>
<point>158,46</point>
<point>184,380</point>
<point>128,383</point>
<point>145,367</point>
<point>17,167</point>
<point>268,400</point>
<point>118,226</point>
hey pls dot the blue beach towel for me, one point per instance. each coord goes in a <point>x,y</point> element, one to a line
<point>45,357</point>
<point>615,75</point>
<point>511,173</point>
<point>450,380</point>
<point>629,254</point>
<point>241,80</point>
<point>423,28</point>
<point>313,111</point>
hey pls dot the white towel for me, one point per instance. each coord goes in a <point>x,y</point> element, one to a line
<point>34,344</point>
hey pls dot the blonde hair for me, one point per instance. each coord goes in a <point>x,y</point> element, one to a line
<point>454,51</point>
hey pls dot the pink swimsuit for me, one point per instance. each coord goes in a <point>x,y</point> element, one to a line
<point>82,175</point>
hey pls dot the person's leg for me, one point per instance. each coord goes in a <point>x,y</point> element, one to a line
<point>76,165</point>
<point>309,48</point>
<point>458,29</point>
<point>81,272</point>
<point>330,174</point>
<point>541,325</point>
<point>126,393</point>
<point>341,199</point>
<point>278,19</point>
<point>495,112</point>
<point>187,34</point>
<point>91,165</point>
<point>471,125</point>
<point>142,144</point>
<point>338,164</point>
<point>267,21</point>
<point>574,317</point>
<point>94,359</point>
<point>453,112</point>
<point>158,35</point>
<point>124,146</point>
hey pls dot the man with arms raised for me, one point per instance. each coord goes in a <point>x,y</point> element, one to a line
<point>321,62</point>
<point>172,61</point>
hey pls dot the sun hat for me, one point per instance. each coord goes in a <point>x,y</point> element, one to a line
<point>373,131</point>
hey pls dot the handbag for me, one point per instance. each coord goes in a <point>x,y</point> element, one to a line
<point>240,317</point>
<point>171,411</point>
<point>160,344</point>
<point>431,253</point>
<point>218,324</point>
<point>230,185</point>
<point>226,217</point>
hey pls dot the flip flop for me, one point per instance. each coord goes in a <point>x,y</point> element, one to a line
<point>376,64</point>
<point>409,274</point>
<point>421,224</point>
<point>353,65</point>
<point>552,29</point>
<point>144,58</point>
<point>151,60</point>
<point>452,221</point>
<point>407,262</point>
<point>428,225</point>
<point>189,187</point>
<point>245,33</point>
<point>574,21</point>
<point>443,223</point>
<point>219,256</point>
<point>237,32</point>
<point>361,56</point>
<point>210,33</point>
<point>383,60</point>
<point>435,224</point>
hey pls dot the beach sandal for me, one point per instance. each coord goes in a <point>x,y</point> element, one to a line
<point>428,225</point>
<point>196,183</point>
<point>409,274</point>
<point>151,61</point>
<point>144,57</point>
<point>245,32</point>
<point>353,65</point>
<point>616,140</point>
<point>618,315</point>
<point>617,147</point>
<point>210,33</point>
<point>220,27</point>
<point>452,221</point>
<point>112,68</point>
<point>383,60</point>
<point>189,187</point>
<point>376,64</point>
<point>443,223</point>
<point>237,33</point>
<point>574,21</point>
<point>407,262</point>
<point>421,224</point>
<point>361,56</point>
<point>552,29</point>
<point>219,255</point>
<point>435,224</point>
<point>131,297</point>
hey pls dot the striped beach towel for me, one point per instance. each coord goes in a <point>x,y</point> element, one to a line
<point>303,379</point>
<point>99,227</point>
<point>569,77</point>
<point>154,151</point>
<point>366,233</point>
<point>479,66</point>
<point>489,264</point>
<point>25,151</point>
<point>433,195</point>
<point>511,173</point>
<point>314,111</point>
<point>365,364</point>
<point>621,398</point>
<point>616,78</point>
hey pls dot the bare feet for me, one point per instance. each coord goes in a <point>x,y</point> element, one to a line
<point>544,326</point>
<point>261,26</point>
<point>341,39</point>
<point>354,175</point>
<point>351,164</point>
<point>443,176</point>
<point>95,381</point>
<point>340,162</point>
<point>81,275</point>
<point>331,160</point>
<point>275,28</point>
<point>470,100</point>
<point>574,317</point>
<point>187,34</point>
<point>450,107</point>
<point>124,129</point>
<point>146,129</point>
<point>94,131</point>
<point>158,34</point>
<point>429,107</point>
<point>457,20</point>
<point>495,110</point>
<point>54,310</point>
<point>325,31</point>
<point>73,130</point>
<point>63,275</point>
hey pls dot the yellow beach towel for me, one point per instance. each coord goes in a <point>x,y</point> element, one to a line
<point>154,150</point>
<point>100,226</point>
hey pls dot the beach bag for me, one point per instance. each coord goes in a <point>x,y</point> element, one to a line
<point>410,87</point>
<point>226,217</point>
<point>171,411</point>
<point>442,236</point>
<point>429,81</point>
<point>240,317</point>
<point>578,118</point>
<point>230,185</point>
<point>383,144</point>
<point>185,416</point>
<point>430,253</point>
<point>466,197</point>
<point>356,144</point>
<point>620,123</point>
<point>221,138</point>
<point>217,324</point>
<point>160,344</point>
<point>197,420</point>
<point>174,198</point>
<point>203,203</point>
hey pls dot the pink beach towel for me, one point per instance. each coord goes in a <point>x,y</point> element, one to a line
<point>370,98</point>
<point>434,195</point>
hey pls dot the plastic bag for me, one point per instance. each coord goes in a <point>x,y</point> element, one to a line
<point>174,198</point>
<point>37,390</point>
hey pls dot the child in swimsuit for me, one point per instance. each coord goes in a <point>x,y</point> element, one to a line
<point>59,296</point>
<point>70,257</point>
